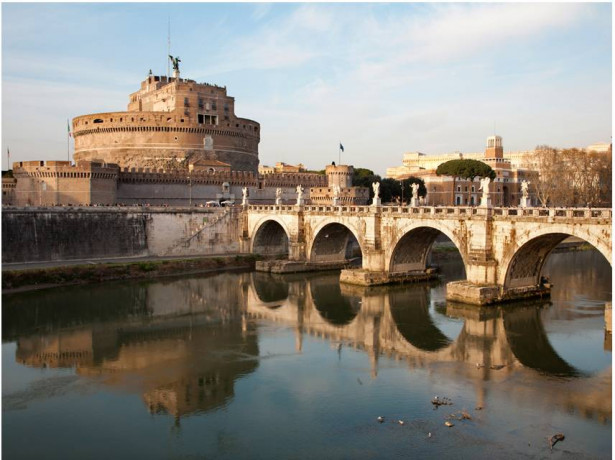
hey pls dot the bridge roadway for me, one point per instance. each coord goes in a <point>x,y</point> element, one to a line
<point>503,249</point>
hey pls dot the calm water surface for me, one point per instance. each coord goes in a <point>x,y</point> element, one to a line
<point>258,366</point>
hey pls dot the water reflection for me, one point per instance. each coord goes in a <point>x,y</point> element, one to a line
<point>183,344</point>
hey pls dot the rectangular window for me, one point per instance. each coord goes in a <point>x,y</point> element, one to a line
<point>186,103</point>
<point>200,117</point>
<point>211,119</point>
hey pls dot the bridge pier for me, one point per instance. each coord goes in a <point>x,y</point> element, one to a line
<point>364,277</point>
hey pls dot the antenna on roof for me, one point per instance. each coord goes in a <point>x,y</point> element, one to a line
<point>169,48</point>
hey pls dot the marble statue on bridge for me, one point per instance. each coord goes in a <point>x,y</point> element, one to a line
<point>485,200</point>
<point>244,192</point>
<point>414,200</point>
<point>336,194</point>
<point>525,198</point>
<point>376,188</point>
<point>278,196</point>
<point>299,195</point>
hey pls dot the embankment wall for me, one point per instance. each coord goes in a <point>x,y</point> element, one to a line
<point>67,233</point>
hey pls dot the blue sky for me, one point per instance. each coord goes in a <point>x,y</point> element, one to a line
<point>383,79</point>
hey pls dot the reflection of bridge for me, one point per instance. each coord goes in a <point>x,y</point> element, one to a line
<point>188,341</point>
<point>503,249</point>
<point>396,322</point>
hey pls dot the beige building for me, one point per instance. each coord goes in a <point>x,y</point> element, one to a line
<point>280,168</point>
<point>170,123</point>
<point>505,190</point>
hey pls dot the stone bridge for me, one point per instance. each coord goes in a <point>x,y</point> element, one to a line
<point>503,249</point>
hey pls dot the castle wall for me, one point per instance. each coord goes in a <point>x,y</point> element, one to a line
<point>44,183</point>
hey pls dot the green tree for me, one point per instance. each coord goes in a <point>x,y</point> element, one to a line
<point>391,189</point>
<point>466,169</point>
<point>363,177</point>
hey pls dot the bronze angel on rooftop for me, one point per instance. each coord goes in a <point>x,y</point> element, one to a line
<point>175,62</point>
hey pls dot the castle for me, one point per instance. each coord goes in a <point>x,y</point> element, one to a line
<point>179,143</point>
<point>171,124</point>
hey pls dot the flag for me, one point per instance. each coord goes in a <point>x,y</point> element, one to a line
<point>68,127</point>
<point>341,147</point>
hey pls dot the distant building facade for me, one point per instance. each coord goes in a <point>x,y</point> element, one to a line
<point>280,168</point>
<point>505,190</point>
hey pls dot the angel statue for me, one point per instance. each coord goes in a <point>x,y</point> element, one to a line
<point>525,188</point>
<point>415,190</point>
<point>175,61</point>
<point>484,186</point>
<point>376,188</point>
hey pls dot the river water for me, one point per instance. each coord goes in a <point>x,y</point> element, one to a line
<point>249,365</point>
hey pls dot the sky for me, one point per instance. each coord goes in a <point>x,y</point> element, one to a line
<point>381,78</point>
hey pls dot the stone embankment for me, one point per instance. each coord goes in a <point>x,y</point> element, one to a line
<point>40,234</point>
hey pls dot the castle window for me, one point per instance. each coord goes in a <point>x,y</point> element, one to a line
<point>213,106</point>
<point>200,118</point>
<point>186,103</point>
<point>121,119</point>
<point>98,120</point>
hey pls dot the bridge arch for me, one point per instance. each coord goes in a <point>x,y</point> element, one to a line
<point>270,237</point>
<point>410,251</point>
<point>334,241</point>
<point>522,264</point>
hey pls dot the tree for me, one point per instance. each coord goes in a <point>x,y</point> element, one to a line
<point>570,177</point>
<point>363,177</point>
<point>465,169</point>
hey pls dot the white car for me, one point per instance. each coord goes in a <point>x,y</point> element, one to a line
<point>228,203</point>
<point>212,204</point>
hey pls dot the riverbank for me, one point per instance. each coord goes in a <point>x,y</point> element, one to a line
<point>47,277</point>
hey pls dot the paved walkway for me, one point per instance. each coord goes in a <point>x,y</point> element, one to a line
<point>113,260</point>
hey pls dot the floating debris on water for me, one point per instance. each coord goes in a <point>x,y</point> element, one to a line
<point>555,439</point>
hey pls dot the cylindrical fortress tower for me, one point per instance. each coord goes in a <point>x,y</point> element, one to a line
<point>340,175</point>
<point>170,123</point>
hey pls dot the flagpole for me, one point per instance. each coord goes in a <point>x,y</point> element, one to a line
<point>339,154</point>
<point>68,142</point>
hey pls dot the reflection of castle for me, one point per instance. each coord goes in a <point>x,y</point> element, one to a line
<point>186,342</point>
<point>174,346</point>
